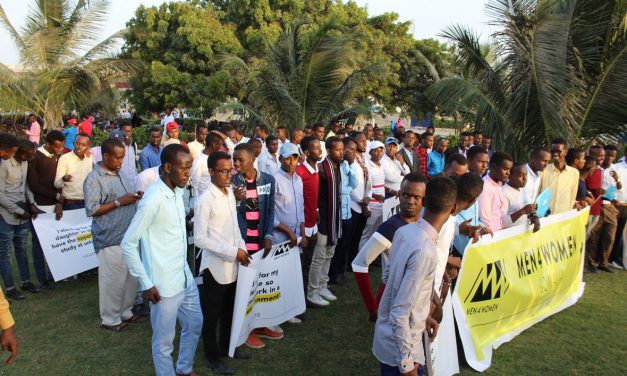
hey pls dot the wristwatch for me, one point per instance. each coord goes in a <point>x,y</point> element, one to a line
<point>407,365</point>
<point>117,204</point>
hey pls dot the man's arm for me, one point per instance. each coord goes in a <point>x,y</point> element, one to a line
<point>143,159</point>
<point>4,201</point>
<point>32,177</point>
<point>376,245</point>
<point>130,243</point>
<point>61,172</point>
<point>484,203</point>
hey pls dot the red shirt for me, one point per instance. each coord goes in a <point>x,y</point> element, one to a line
<point>422,157</point>
<point>311,184</point>
<point>594,182</point>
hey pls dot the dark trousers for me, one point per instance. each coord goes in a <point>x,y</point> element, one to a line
<point>617,250</point>
<point>39,261</point>
<point>216,302</point>
<point>73,206</point>
<point>339,260</point>
<point>387,370</point>
<point>305,259</point>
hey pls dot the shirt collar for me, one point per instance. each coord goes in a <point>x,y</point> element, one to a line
<point>43,151</point>
<point>281,172</point>
<point>530,171</point>
<point>14,162</point>
<point>217,192</point>
<point>168,193</point>
<point>312,170</point>
<point>102,171</point>
<point>426,226</point>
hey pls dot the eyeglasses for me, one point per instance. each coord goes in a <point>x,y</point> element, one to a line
<point>224,172</point>
<point>407,195</point>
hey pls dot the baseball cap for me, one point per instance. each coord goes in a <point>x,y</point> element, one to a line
<point>376,144</point>
<point>171,125</point>
<point>72,121</point>
<point>288,149</point>
<point>117,134</point>
<point>391,140</point>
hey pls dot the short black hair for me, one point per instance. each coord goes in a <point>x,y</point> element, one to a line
<point>8,141</point>
<point>247,147</point>
<point>271,138</point>
<point>125,123</point>
<point>54,135</point>
<point>499,157</point>
<point>254,141</point>
<point>341,131</point>
<point>306,141</point>
<point>201,126</point>
<point>347,140</point>
<point>465,134</point>
<point>155,129</point>
<point>559,141</point>
<point>572,154</point>
<point>25,144</point>
<point>328,144</point>
<point>214,157</point>
<point>456,157</point>
<point>516,166</point>
<point>610,147</point>
<point>307,127</point>
<point>316,126</point>
<point>168,154</point>
<point>472,153</point>
<point>477,132</point>
<point>469,186</point>
<point>414,177</point>
<point>211,138</point>
<point>441,195</point>
<point>84,135</point>
<point>535,153</point>
<point>263,127</point>
<point>109,144</point>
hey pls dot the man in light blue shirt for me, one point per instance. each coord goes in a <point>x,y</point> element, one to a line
<point>289,204</point>
<point>162,270</point>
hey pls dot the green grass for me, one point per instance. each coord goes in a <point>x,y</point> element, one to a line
<point>60,334</point>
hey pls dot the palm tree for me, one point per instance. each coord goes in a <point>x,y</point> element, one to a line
<point>558,68</point>
<point>309,76</point>
<point>63,66</point>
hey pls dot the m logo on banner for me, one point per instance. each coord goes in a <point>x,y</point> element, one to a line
<point>491,283</point>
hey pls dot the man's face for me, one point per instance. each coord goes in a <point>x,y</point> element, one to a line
<point>349,128</point>
<point>478,139</point>
<point>500,173</point>
<point>580,161</point>
<point>174,133</point>
<point>391,149</point>
<point>114,160</point>
<point>32,119</point>
<point>539,162</point>
<point>319,133</point>
<point>8,153</point>
<point>337,152</point>
<point>221,175</point>
<point>273,146</point>
<point>427,141</point>
<point>487,143</point>
<point>128,132</point>
<point>376,154</point>
<point>308,132</point>
<point>361,142</point>
<point>258,147</point>
<point>179,171</point>
<point>25,155</point>
<point>518,177</point>
<point>232,135</point>
<point>297,136</point>
<point>314,151</point>
<point>558,152</point>
<point>260,133</point>
<point>243,161</point>
<point>56,147</point>
<point>610,157</point>
<point>335,126</point>
<point>464,142</point>
<point>81,145</point>
<point>289,164</point>
<point>479,164</point>
<point>349,152</point>
<point>409,140</point>
<point>201,134</point>
<point>378,135</point>
<point>455,169</point>
<point>410,197</point>
<point>442,146</point>
<point>369,132</point>
<point>281,133</point>
<point>155,138</point>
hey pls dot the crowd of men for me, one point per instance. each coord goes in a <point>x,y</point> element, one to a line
<point>323,193</point>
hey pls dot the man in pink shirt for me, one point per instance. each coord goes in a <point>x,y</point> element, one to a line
<point>34,129</point>
<point>491,199</point>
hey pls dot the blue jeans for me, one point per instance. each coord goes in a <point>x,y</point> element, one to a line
<point>39,261</point>
<point>16,234</point>
<point>387,370</point>
<point>163,316</point>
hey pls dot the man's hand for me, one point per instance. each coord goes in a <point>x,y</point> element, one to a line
<point>293,239</point>
<point>378,198</point>
<point>535,220</point>
<point>578,205</point>
<point>152,294</point>
<point>242,257</point>
<point>303,242</point>
<point>614,175</point>
<point>129,199</point>
<point>9,342</point>
<point>33,211</point>
<point>240,193</point>
<point>24,216</point>
<point>267,245</point>
<point>67,178</point>
<point>399,158</point>
<point>528,209</point>
<point>365,212</point>
<point>58,211</point>
<point>432,328</point>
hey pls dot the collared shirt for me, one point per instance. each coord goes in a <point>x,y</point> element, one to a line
<point>460,241</point>
<point>377,176</point>
<point>490,202</point>
<point>102,187</point>
<point>423,154</point>
<point>71,164</point>
<point>323,153</point>
<point>149,157</point>
<point>409,154</point>
<point>230,145</point>
<point>405,304</point>
<point>289,205</point>
<point>435,164</point>
<point>563,186</point>
<point>200,175</point>
<point>13,190</point>
<point>195,148</point>
<point>129,165</point>
<point>445,242</point>
<point>146,178</point>
<point>512,202</point>
<point>268,163</point>
<point>70,134</point>
<point>531,190</point>
<point>311,185</point>
<point>362,188</point>
<point>394,172</point>
<point>34,132</point>
<point>348,173</point>
<point>607,182</point>
<point>159,226</point>
<point>217,233</point>
<point>621,170</point>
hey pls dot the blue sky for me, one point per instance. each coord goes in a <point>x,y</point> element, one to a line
<point>429,17</point>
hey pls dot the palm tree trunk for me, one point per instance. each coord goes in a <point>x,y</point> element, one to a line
<point>52,116</point>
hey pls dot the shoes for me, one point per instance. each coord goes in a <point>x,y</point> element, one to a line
<point>616,265</point>
<point>267,333</point>
<point>295,320</point>
<point>15,294</point>
<point>327,295</point>
<point>592,268</point>
<point>315,300</point>
<point>193,373</point>
<point>340,280</point>
<point>30,287</point>
<point>605,268</point>
<point>254,342</point>
<point>219,367</point>
<point>47,285</point>
<point>242,355</point>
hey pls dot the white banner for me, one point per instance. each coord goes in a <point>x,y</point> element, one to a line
<point>391,206</point>
<point>67,244</point>
<point>444,347</point>
<point>269,292</point>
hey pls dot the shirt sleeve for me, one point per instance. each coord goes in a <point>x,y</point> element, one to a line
<point>375,246</point>
<point>130,243</point>
<point>143,159</point>
<point>32,177</point>
<point>61,170</point>
<point>6,319</point>
<point>210,240</point>
<point>93,195</point>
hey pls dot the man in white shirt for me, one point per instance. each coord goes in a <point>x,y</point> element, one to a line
<point>377,193</point>
<point>318,132</point>
<point>281,135</point>
<point>617,256</point>
<point>72,170</point>
<point>216,231</point>
<point>167,118</point>
<point>196,146</point>
<point>268,161</point>
<point>234,137</point>
<point>394,167</point>
<point>146,178</point>
<point>538,160</point>
<point>514,209</point>
<point>200,172</point>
